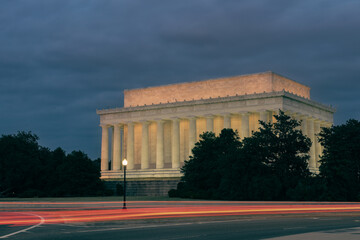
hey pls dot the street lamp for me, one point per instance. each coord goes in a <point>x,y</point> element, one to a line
<point>124,163</point>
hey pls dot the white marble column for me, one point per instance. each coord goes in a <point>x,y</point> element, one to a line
<point>274,112</point>
<point>112,148</point>
<point>192,134</point>
<point>160,144</point>
<point>116,148</point>
<point>297,117</point>
<point>105,148</point>
<point>175,144</point>
<point>227,121</point>
<point>312,161</point>
<point>264,116</point>
<point>245,130</point>
<point>130,146</point>
<point>323,124</point>
<point>122,144</point>
<point>210,123</point>
<point>145,146</point>
<point>303,126</point>
<point>318,150</point>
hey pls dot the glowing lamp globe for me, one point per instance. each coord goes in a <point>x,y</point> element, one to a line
<point>124,162</point>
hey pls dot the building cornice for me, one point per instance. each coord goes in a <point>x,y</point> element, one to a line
<point>219,100</point>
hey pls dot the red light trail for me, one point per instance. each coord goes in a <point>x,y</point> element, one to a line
<point>111,211</point>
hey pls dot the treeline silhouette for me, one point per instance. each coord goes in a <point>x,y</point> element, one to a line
<point>272,164</point>
<point>30,170</point>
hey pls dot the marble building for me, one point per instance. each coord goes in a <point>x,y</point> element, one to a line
<point>158,126</point>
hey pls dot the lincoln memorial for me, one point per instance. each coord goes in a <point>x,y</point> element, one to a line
<point>158,126</point>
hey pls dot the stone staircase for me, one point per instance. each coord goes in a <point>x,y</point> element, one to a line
<point>145,187</point>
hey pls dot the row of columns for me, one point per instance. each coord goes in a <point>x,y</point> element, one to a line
<point>312,127</point>
<point>175,141</point>
<point>309,127</point>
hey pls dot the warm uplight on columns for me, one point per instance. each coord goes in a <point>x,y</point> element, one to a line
<point>304,125</point>
<point>160,144</point>
<point>175,143</point>
<point>116,148</point>
<point>192,134</point>
<point>130,145</point>
<point>263,116</point>
<point>145,146</point>
<point>245,130</point>
<point>324,124</point>
<point>318,150</point>
<point>296,116</point>
<point>227,121</point>
<point>312,163</point>
<point>272,113</point>
<point>210,123</point>
<point>105,148</point>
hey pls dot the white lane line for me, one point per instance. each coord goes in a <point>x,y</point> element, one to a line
<point>134,227</point>
<point>42,220</point>
<point>290,228</point>
<point>158,225</point>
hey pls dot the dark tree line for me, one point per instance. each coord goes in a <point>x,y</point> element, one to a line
<point>272,164</point>
<point>30,170</point>
<point>340,163</point>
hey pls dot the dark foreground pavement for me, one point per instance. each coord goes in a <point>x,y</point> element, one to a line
<point>255,227</point>
<point>289,221</point>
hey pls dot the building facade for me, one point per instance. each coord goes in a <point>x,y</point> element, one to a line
<point>158,126</point>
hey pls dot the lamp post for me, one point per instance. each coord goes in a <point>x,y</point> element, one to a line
<point>124,163</point>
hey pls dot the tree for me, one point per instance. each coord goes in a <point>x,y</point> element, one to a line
<point>204,163</point>
<point>78,176</point>
<point>284,149</point>
<point>269,165</point>
<point>340,162</point>
<point>272,162</point>
<point>203,171</point>
<point>19,158</point>
<point>28,169</point>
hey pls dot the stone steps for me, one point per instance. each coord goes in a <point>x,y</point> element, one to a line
<point>145,188</point>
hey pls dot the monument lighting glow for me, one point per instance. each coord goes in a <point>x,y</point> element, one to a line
<point>158,126</point>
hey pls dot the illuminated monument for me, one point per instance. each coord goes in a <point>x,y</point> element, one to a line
<point>158,126</point>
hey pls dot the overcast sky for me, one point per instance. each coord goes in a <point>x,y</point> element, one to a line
<point>61,60</point>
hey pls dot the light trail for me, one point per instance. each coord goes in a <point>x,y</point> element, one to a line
<point>95,213</point>
<point>170,202</point>
<point>42,220</point>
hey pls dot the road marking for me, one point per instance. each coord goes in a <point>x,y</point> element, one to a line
<point>225,221</point>
<point>136,227</point>
<point>159,225</point>
<point>290,228</point>
<point>186,237</point>
<point>42,220</point>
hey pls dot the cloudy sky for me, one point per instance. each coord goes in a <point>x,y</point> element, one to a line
<point>60,60</point>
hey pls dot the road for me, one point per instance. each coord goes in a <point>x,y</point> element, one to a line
<point>179,220</point>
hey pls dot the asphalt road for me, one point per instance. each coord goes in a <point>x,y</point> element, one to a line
<point>300,225</point>
<point>319,227</point>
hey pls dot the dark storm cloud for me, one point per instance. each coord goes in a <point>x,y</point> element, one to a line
<point>61,60</point>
